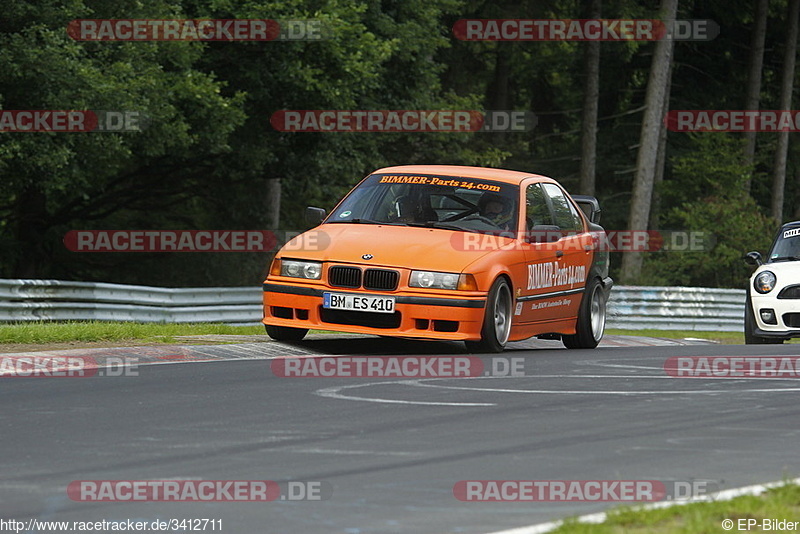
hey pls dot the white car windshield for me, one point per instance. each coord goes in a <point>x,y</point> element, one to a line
<point>448,202</point>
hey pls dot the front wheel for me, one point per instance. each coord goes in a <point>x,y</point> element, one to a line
<point>591,319</point>
<point>496,321</point>
<point>285,333</point>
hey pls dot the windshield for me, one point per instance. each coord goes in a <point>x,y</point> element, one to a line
<point>450,202</point>
<point>786,246</point>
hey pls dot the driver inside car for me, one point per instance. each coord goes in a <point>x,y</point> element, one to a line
<point>496,208</point>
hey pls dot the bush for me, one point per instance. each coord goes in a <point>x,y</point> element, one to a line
<point>710,198</point>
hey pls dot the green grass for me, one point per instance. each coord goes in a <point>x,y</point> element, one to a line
<point>782,503</point>
<point>48,332</point>
<point>727,338</point>
<point>45,332</point>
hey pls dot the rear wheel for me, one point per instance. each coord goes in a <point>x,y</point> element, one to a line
<point>750,338</point>
<point>591,318</point>
<point>496,320</point>
<point>285,333</point>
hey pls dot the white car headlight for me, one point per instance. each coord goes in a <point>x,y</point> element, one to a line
<point>765,282</point>
<point>433,280</point>
<point>311,270</point>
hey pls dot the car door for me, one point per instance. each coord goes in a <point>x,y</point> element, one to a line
<point>556,254</point>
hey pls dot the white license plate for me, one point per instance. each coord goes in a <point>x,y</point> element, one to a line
<point>365,303</point>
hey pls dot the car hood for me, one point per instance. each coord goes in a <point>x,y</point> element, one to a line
<point>787,272</point>
<point>390,246</point>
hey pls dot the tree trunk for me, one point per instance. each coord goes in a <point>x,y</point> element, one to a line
<point>498,91</point>
<point>797,203</point>
<point>781,152</point>
<point>499,95</point>
<point>646,159</point>
<point>590,105</point>
<point>661,160</point>
<point>754,78</point>
<point>273,203</point>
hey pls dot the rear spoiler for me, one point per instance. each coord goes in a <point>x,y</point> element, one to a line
<point>590,206</point>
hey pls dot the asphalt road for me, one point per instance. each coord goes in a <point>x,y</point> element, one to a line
<point>388,452</point>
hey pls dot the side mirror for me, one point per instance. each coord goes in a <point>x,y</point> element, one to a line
<point>753,258</point>
<point>544,233</point>
<point>314,216</point>
<point>590,206</point>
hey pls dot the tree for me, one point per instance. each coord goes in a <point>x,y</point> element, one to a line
<point>50,181</point>
<point>707,200</point>
<point>661,160</point>
<point>590,105</point>
<point>647,156</point>
<point>754,76</point>
<point>210,160</point>
<point>787,86</point>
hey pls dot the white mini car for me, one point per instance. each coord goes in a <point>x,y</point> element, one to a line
<point>772,309</point>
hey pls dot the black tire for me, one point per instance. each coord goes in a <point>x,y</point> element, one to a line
<point>285,333</point>
<point>591,318</point>
<point>750,326</point>
<point>496,320</point>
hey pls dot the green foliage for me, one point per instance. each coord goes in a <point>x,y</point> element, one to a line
<point>695,517</point>
<point>208,151</point>
<point>707,195</point>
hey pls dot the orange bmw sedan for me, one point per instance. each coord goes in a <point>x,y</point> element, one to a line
<point>481,255</point>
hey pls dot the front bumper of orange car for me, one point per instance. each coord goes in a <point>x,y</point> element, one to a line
<point>417,314</point>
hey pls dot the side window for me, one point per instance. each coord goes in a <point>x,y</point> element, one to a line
<point>536,210</point>
<point>566,216</point>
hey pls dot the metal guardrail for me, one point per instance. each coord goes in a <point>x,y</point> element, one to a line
<point>55,300</point>
<point>636,308</point>
<point>676,308</point>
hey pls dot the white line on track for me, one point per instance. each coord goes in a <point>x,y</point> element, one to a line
<point>333,393</point>
<point>336,392</point>
<point>602,392</point>
<point>619,366</point>
<point>644,377</point>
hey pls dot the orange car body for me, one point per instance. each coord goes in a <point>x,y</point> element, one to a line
<point>375,260</point>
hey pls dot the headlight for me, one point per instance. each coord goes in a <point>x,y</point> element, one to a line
<point>429,279</point>
<point>765,282</point>
<point>301,269</point>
